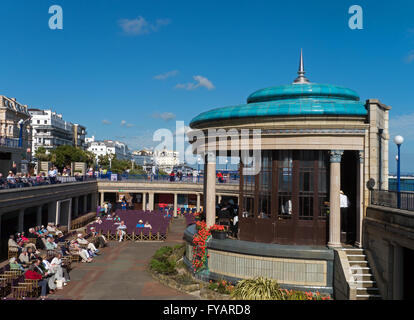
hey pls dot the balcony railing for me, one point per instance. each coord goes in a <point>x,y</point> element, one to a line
<point>231,179</point>
<point>390,199</point>
<point>9,142</point>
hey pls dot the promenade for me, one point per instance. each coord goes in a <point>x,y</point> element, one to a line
<point>119,273</point>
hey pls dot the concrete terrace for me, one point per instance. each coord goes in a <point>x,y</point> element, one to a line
<point>119,273</point>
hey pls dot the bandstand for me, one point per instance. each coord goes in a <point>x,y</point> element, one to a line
<point>316,141</point>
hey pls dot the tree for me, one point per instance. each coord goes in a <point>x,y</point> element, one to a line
<point>41,155</point>
<point>64,155</point>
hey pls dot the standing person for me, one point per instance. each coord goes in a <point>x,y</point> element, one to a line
<point>220,177</point>
<point>344,205</point>
<point>172,178</point>
<point>124,205</point>
<point>14,168</point>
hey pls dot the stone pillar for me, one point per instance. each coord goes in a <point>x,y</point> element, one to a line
<point>334,199</point>
<point>144,201</point>
<point>94,203</point>
<point>151,201</point>
<point>85,204</point>
<point>20,223</point>
<point>75,207</point>
<point>210,189</point>
<point>39,216</point>
<point>102,198</point>
<point>175,204</point>
<point>360,198</point>
<point>51,212</point>
<point>198,202</point>
<point>397,273</point>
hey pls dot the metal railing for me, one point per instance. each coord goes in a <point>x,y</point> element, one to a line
<point>24,182</point>
<point>387,198</point>
<point>231,179</point>
<point>9,142</point>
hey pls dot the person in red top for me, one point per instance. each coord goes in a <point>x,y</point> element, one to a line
<point>36,273</point>
<point>220,177</point>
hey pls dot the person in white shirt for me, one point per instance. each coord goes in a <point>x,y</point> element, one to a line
<point>90,245</point>
<point>121,230</point>
<point>61,271</point>
<point>344,205</point>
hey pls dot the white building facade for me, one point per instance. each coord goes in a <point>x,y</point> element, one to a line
<point>50,130</point>
<point>101,148</point>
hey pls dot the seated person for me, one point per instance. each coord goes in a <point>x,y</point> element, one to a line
<point>36,273</point>
<point>24,259</point>
<point>121,230</point>
<point>50,244</point>
<point>32,255</point>
<point>90,246</point>
<point>61,271</point>
<point>101,238</point>
<point>147,225</point>
<point>117,219</point>
<point>99,220</point>
<point>75,249</point>
<point>140,224</point>
<point>13,245</point>
<point>14,265</point>
<point>108,217</point>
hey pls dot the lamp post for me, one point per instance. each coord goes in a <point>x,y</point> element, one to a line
<point>398,141</point>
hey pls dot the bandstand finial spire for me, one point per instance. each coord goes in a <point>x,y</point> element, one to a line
<point>301,72</point>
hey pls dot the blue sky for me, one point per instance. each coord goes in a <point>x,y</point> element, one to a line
<point>101,69</point>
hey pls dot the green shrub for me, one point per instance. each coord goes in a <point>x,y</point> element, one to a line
<point>257,289</point>
<point>185,279</point>
<point>164,267</point>
<point>163,253</point>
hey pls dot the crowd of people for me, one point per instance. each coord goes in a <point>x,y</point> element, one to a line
<point>16,179</point>
<point>42,259</point>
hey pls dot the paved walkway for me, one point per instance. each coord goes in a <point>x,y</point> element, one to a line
<point>119,273</point>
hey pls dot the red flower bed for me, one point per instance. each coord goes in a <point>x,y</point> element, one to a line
<point>200,244</point>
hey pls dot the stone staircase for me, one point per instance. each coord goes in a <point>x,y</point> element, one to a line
<point>366,284</point>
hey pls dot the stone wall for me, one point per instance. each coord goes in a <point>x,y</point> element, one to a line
<point>386,231</point>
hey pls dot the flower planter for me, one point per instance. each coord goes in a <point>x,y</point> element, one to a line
<point>219,235</point>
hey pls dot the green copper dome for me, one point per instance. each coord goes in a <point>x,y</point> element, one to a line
<point>301,98</point>
<point>308,99</point>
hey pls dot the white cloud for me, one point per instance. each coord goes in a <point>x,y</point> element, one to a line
<point>166,75</point>
<point>106,121</point>
<point>166,116</point>
<point>125,124</point>
<point>200,81</point>
<point>139,26</point>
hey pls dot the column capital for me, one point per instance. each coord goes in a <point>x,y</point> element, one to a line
<point>361,156</point>
<point>210,157</point>
<point>336,155</point>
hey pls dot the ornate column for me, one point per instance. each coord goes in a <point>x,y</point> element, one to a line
<point>144,201</point>
<point>175,204</point>
<point>210,189</point>
<point>334,199</point>
<point>20,223</point>
<point>360,198</point>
